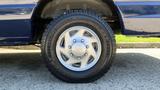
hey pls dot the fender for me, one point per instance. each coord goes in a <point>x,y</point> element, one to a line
<point>100,5</point>
<point>49,8</point>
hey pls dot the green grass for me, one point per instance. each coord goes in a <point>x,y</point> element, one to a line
<point>122,38</point>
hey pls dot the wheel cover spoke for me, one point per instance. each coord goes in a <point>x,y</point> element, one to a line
<point>72,61</point>
<point>67,39</point>
<point>92,40</point>
<point>79,52</point>
<point>63,51</point>
<point>92,51</point>
<point>80,32</point>
<point>84,61</point>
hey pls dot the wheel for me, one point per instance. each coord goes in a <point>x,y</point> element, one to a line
<point>78,47</point>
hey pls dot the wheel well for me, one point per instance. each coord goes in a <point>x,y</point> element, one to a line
<point>47,10</point>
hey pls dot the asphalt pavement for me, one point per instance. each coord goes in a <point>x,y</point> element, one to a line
<point>133,69</point>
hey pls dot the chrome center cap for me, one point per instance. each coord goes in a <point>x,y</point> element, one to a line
<point>78,49</point>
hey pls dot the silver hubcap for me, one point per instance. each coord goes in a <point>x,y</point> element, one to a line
<point>78,48</point>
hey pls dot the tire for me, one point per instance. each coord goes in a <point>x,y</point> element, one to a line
<point>92,22</point>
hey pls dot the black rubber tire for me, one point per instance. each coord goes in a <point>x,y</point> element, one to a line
<point>59,25</point>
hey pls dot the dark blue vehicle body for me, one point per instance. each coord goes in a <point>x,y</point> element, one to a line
<point>139,18</point>
<point>15,23</point>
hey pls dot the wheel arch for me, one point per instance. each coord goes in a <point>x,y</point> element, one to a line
<point>49,9</point>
